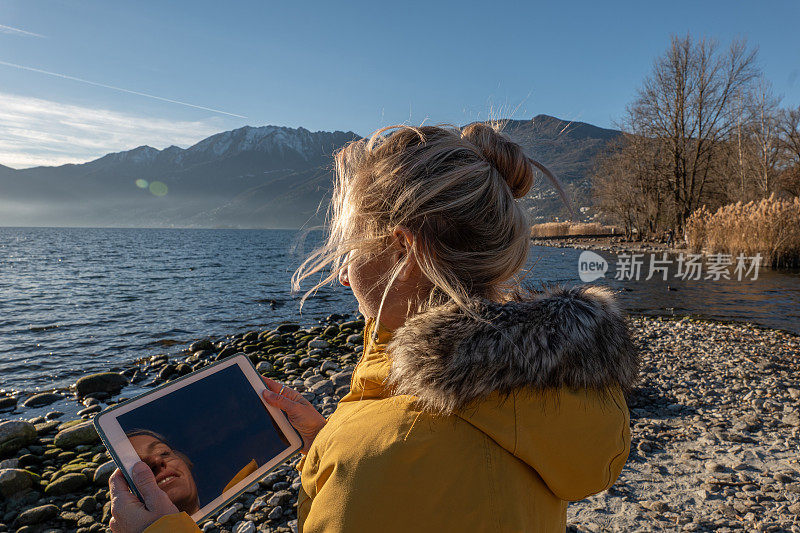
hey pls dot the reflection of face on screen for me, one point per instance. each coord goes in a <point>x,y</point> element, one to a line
<point>218,429</point>
<point>171,468</point>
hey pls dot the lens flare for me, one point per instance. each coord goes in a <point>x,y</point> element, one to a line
<point>158,188</point>
<point>142,184</point>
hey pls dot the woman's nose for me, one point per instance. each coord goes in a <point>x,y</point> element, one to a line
<point>156,463</point>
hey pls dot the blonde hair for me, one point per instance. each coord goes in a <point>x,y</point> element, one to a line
<point>454,189</point>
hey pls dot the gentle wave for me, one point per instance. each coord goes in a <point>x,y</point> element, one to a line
<point>74,300</point>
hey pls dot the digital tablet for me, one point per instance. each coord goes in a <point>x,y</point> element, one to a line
<point>207,436</point>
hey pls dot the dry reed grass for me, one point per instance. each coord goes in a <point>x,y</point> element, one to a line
<point>568,229</point>
<point>770,227</point>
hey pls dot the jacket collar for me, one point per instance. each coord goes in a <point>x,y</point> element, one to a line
<point>561,337</point>
<point>376,335</point>
<point>369,375</point>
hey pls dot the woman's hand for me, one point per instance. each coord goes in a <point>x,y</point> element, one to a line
<point>129,515</point>
<point>302,415</point>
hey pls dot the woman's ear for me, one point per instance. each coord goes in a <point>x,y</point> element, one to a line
<point>403,239</point>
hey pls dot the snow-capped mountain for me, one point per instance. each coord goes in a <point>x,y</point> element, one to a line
<point>207,184</point>
<point>267,139</point>
<point>273,141</point>
<point>266,176</point>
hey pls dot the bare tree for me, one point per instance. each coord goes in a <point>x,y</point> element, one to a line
<point>789,130</point>
<point>628,187</point>
<point>764,135</point>
<point>705,129</point>
<point>754,149</point>
<point>740,153</point>
<point>685,104</point>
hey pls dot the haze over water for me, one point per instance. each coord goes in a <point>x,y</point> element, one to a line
<point>77,300</point>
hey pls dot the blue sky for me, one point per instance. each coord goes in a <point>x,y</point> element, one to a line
<point>338,65</point>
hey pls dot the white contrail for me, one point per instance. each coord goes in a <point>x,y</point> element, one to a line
<point>64,76</point>
<point>17,31</point>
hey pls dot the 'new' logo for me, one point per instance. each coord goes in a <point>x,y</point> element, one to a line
<point>591,266</point>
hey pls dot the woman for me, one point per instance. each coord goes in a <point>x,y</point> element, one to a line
<point>172,470</point>
<point>476,406</point>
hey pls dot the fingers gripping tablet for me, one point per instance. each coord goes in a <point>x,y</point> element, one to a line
<point>206,437</point>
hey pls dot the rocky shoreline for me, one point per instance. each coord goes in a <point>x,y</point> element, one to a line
<point>715,430</point>
<point>612,244</point>
<point>716,433</point>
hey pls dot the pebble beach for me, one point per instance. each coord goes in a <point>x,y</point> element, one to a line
<point>715,425</point>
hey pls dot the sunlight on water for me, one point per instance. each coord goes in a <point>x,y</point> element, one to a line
<point>74,300</point>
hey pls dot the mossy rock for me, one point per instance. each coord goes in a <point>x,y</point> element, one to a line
<point>8,403</point>
<point>100,458</point>
<point>52,453</point>
<point>47,427</point>
<point>70,424</point>
<point>14,481</point>
<point>61,472</point>
<point>42,399</point>
<point>202,344</point>
<point>226,352</point>
<point>37,515</point>
<point>75,467</point>
<point>30,460</point>
<point>109,382</point>
<point>75,436</point>
<point>15,435</point>
<point>66,484</point>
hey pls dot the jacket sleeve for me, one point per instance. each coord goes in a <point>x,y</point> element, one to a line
<point>173,523</point>
<point>347,489</point>
<point>344,501</point>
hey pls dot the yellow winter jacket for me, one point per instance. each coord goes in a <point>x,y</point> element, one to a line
<point>453,424</point>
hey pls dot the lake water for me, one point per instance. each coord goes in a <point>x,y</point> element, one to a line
<point>75,300</point>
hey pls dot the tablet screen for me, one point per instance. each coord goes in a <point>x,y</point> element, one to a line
<point>203,438</point>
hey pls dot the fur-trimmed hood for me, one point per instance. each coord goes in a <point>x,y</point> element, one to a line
<point>542,377</point>
<point>573,337</point>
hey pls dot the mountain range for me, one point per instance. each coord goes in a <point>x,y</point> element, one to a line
<point>253,177</point>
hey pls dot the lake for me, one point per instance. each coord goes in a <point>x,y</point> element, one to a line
<point>77,300</point>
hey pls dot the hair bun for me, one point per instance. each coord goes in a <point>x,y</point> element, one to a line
<point>503,154</point>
